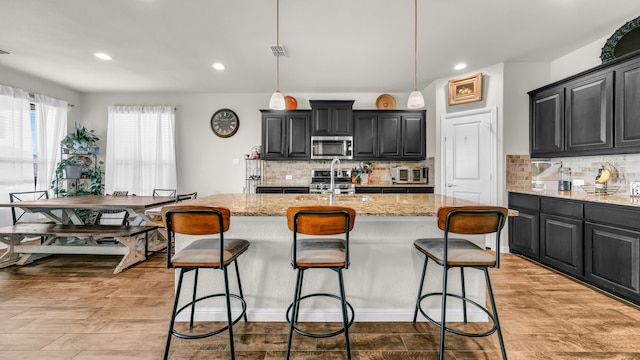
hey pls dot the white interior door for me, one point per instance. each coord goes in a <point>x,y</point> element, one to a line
<point>469,156</point>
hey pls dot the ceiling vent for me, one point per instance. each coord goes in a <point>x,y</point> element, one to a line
<point>2,52</point>
<point>278,50</point>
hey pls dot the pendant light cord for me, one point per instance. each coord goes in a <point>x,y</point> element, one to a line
<point>415,45</point>
<point>277,45</point>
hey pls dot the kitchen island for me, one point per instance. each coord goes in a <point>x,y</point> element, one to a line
<point>382,280</point>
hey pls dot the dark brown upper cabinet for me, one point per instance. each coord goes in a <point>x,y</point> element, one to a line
<point>389,134</point>
<point>596,112</point>
<point>331,117</point>
<point>547,121</point>
<point>286,135</point>
<point>588,124</point>
<point>627,106</point>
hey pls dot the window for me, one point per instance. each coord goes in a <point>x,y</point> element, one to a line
<point>16,145</point>
<point>30,132</point>
<point>140,149</point>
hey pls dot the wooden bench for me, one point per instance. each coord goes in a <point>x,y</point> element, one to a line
<point>132,242</point>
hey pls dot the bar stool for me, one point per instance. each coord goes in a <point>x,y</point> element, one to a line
<point>203,253</point>
<point>320,252</point>
<point>461,253</point>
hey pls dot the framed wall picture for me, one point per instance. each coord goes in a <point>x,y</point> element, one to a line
<point>465,90</point>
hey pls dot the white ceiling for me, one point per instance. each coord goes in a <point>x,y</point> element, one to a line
<point>332,45</point>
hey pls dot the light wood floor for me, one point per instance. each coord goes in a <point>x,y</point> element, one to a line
<point>73,307</point>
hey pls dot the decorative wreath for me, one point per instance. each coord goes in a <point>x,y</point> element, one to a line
<point>608,50</point>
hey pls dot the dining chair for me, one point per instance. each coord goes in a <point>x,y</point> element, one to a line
<point>20,216</point>
<point>452,252</point>
<point>113,216</point>
<point>188,196</point>
<point>164,192</point>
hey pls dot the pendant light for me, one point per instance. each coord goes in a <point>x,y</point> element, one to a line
<point>416,100</point>
<point>277,99</point>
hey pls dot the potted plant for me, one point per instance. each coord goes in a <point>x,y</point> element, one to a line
<point>80,141</point>
<point>76,167</point>
<point>361,173</point>
<point>71,167</point>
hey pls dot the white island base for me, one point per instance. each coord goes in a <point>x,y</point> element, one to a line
<point>381,283</point>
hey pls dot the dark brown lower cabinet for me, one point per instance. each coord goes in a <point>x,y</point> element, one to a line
<point>523,233</point>
<point>282,190</point>
<point>396,189</point>
<point>561,243</point>
<point>524,229</point>
<point>613,259</point>
<point>594,242</point>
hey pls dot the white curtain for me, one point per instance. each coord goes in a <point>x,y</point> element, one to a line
<point>140,149</point>
<point>16,146</point>
<point>51,127</point>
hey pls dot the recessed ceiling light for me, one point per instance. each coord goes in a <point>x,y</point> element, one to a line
<point>102,56</point>
<point>218,66</point>
<point>460,66</point>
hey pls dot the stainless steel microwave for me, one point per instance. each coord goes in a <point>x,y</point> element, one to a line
<point>409,175</point>
<point>330,147</point>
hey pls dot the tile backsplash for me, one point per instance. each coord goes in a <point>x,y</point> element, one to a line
<point>518,169</point>
<point>275,172</point>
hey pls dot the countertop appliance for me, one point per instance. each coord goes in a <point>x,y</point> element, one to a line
<point>321,180</point>
<point>410,175</point>
<point>331,147</point>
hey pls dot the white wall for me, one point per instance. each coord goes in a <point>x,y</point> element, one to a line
<point>205,160</point>
<point>519,79</point>
<point>577,61</point>
<point>36,85</point>
<point>492,84</point>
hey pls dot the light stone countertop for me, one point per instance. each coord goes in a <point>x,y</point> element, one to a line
<point>579,194</point>
<point>376,204</point>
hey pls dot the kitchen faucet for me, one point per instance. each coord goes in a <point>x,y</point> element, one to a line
<point>332,186</point>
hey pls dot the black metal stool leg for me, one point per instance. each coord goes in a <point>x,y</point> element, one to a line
<point>299,295</point>
<point>173,315</point>
<point>229,319</point>
<point>443,311</point>
<point>464,295</point>
<point>294,310</point>
<point>495,314</point>
<point>240,286</point>
<point>193,300</point>
<point>424,271</point>
<point>345,320</point>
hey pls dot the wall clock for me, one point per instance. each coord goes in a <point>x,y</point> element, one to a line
<point>225,123</point>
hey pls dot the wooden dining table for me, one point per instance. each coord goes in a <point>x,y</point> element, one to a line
<point>71,235</point>
<point>66,210</point>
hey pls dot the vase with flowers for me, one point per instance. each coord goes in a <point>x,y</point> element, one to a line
<point>361,173</point>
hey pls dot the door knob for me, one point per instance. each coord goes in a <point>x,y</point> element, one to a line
<point>451,185</point>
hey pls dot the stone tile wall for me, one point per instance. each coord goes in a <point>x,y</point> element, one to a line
<point>518,169</point>
<point>275,172</point>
